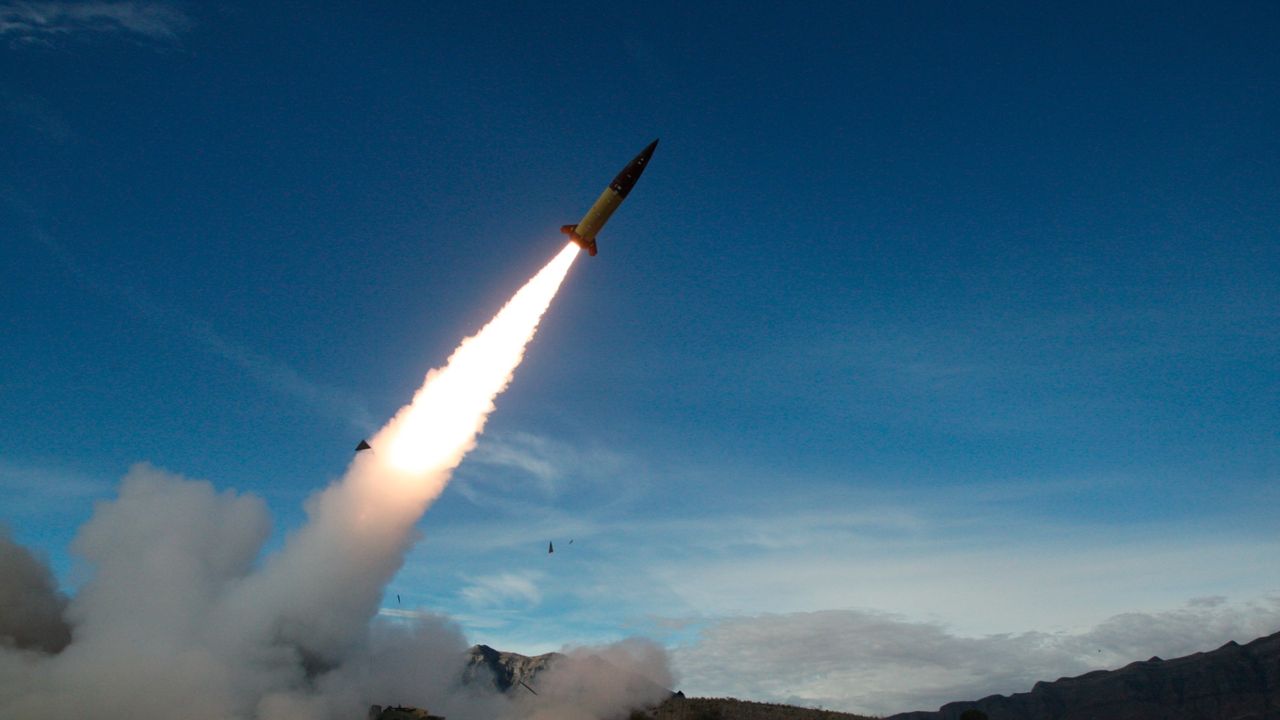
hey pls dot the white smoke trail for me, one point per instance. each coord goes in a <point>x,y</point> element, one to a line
<point>360,527</point>
<point>178,622</point>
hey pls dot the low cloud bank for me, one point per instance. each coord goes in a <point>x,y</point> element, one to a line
<point>879,663</point>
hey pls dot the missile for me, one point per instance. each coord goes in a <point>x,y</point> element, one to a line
<point>584,233</point>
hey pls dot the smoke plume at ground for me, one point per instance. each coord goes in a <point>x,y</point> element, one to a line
<point>590,683</point>
<point>180,618</point>
<point>30,604</point>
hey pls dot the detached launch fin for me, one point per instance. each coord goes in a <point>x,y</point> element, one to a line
<point>551,547</point>
<point>364,445</point>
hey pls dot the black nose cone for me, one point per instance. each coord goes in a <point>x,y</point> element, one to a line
<point>631,173</point>
<point>647,152</point>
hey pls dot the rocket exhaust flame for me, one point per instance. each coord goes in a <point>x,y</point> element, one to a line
<point>179,617</point>
<point>360,527</point>
<point>434,431</point>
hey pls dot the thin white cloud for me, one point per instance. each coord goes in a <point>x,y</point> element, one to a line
<point>275,374</point>
<point>27,489</point>
<point>503,589</point>
<point>507,462</point>
<point>984,560</point>
<point>266,370</point>
<point>873,662</point>
<point>407,614</point>
<point>47,23</point>
<point>982,582</point>
<point>522,451</point>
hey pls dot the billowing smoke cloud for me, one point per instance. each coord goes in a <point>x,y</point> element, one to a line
<point>180,620</point>
<point>155,635</point>
<point>30,605</point>
<point>590,683</point>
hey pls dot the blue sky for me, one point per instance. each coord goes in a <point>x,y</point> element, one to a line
<point>925,315</point>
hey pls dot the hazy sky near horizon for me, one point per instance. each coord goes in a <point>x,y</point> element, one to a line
<point>932,323</point>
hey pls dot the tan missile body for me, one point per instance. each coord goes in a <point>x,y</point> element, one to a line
<point>584,233</point>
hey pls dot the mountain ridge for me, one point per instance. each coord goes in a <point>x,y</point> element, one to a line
<point>1233,682</point>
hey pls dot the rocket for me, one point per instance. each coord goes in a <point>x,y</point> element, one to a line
<point>584,233</point>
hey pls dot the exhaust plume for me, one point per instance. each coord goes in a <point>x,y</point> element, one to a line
<point>178,620</point>
<point>320,591</point>
<point>32,606</point>
<point>601,682</point>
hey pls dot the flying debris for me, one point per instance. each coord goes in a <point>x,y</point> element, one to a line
<point>526,687</point>
<point>551,547</point>
<point>584,233</point>
<point>397,598</point>
<point>364,445</point>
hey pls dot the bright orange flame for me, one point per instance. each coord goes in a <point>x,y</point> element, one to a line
<point>440,426</point>
<point>359,526</point>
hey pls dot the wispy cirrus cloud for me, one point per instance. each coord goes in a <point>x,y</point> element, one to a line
<point>262,368</point>
<point>524,453</point>
<point>48,23</point>
<point>507,460</point>
<point>503,589</point>
<point>27,489</point>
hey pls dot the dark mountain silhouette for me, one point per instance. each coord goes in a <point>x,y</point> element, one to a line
<point>678,707</point>
<point>1234,682</point>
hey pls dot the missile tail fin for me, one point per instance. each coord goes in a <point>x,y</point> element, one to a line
<point>572,232</point>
